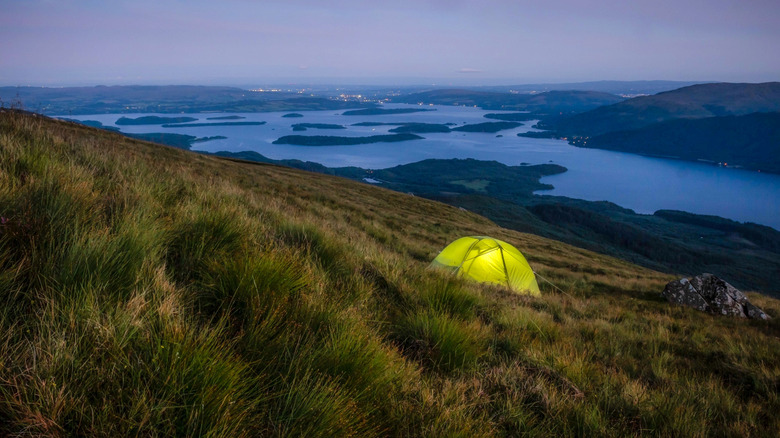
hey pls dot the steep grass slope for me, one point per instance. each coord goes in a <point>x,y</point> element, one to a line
<point>151,291</point>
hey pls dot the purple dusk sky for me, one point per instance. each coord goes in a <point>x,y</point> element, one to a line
<point>83,42</point>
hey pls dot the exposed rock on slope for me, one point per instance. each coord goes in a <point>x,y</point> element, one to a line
<point>709,293</point>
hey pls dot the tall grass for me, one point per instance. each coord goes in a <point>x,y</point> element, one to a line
<point>149,291</point>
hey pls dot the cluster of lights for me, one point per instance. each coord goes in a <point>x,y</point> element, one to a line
<point>360,97</point>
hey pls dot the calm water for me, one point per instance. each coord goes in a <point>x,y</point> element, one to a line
<point>639,183</point>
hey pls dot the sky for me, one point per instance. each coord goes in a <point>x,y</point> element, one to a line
<point>90,42</point>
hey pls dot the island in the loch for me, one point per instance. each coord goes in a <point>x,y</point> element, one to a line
<point>324,140</point>
<point>305,126</point>
<point>153,120</point>
<point>384,111</point>
<point>421,128</point>
<point>234,117</point>
<point>490,127</point>
<point>196,125</point>
<point>292,115</point>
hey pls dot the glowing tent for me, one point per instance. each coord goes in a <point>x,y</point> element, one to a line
<point>488,260</point>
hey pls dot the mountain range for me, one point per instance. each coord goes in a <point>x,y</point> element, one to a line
<point>693,102</point>
<point>719,122</point>
<point>546,103</point>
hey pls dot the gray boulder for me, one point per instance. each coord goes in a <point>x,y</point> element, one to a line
<point>683,292</point>
<point>709,293</point>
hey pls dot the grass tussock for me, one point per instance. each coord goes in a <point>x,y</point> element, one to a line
<point>150,291</point>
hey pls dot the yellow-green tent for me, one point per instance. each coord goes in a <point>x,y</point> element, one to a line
<point>488,260</point>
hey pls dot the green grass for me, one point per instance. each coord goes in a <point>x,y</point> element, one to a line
<point>149,291</point>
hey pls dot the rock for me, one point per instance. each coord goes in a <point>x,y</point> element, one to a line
<point>754,312</point>
<point>683,292</point>
<point>709,293</point>
<point>724,298</point>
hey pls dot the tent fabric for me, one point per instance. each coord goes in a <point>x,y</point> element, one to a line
<point>488,260</point>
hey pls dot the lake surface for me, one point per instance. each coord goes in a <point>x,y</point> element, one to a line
<point>642,184</point>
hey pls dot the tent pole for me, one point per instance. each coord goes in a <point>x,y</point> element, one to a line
<point>506,272</point>
<point>467,253</point>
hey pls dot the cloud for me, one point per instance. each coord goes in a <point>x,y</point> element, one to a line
<point>469,70</point>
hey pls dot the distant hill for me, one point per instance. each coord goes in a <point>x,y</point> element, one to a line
<point>697,101</point>
<point>613,87</point>
<point>162,99</point>
<point>751,141</point>
<point>551,102</point>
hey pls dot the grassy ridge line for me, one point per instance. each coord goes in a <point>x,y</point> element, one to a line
<point>153,291</point>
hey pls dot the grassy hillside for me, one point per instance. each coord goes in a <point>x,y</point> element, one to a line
<point>152,291</point>
<point>696,101</point>
<point>745,254</point>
